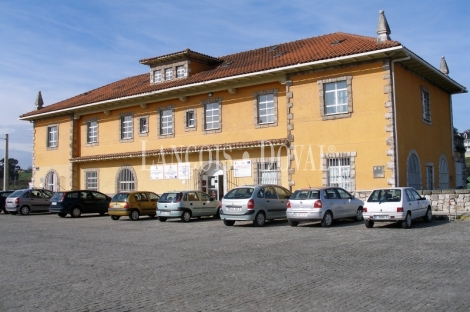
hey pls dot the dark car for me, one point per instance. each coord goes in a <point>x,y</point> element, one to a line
<point>77,202</point>
<point>3,197</point>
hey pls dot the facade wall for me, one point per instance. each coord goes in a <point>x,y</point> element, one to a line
<point>429,140</point>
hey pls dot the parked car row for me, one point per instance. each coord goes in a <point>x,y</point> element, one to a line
<point>256,203</point>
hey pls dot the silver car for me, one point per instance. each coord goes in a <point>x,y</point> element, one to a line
<point>323,204</point>
<point>256,203</point>
<point>186,205</point>
<point>29,200</point>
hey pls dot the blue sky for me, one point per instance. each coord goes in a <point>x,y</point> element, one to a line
<point>64,48</point>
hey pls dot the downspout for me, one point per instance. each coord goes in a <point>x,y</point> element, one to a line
<point>395,132</point>
<point>452,147</point>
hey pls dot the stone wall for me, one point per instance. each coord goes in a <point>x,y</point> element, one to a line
<point>441,200</point>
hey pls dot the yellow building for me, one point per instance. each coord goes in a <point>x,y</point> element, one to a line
<point>338,109</point>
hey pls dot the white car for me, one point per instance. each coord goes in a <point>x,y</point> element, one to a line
<point>398,204</point>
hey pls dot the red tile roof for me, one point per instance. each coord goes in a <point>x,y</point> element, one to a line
<point>286,54</point>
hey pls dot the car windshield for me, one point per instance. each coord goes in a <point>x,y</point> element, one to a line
<point>120,197</point>
<point>306,194</point>
<point>385,195</point>
<point>15,193</point>
<point>57,196</point>
<point>242,192</point>
<point>170,197</point>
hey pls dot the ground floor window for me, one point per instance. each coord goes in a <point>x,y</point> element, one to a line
<point>443,173</point>
<point>413,171</point>
<point>52,181</point>
<point>91,180</point>
<point>268,172</point>
<point>126,180</point>
<point>339,172</point>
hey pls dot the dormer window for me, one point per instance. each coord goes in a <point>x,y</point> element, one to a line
<point>157,76</point>
<point>168,73</point>
<point>180,71</point>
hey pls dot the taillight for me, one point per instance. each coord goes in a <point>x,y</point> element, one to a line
<point>126,205</point>
<point>288,205</point>
<point>17,201</point>
<point>399,209</point>
<point>317,204</point>
<point>63,197</point>
<point>109,206</point>
<point>364,209</point>
<point>180,195</point>
<point>251,204</point>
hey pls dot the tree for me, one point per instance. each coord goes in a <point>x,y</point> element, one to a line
<point>12,168</point>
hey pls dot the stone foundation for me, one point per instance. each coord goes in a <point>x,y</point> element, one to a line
<point>441,200</point>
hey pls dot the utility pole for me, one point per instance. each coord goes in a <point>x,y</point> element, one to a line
<point>6,164</point>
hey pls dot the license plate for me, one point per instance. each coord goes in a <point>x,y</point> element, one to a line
<point>53,203</point>
<point>381,217</point>
<point>116,205</point>
<point>234,209</point>
<point>165,213</point>
<point>300,214</point>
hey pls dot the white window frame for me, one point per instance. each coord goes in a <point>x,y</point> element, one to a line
<point>340,98</point>
<point>126,179</point>
<point>92,131</point>
<point>339,172</point>
<point>347,99</point>
<point>166,122</point>
<point>190,119</point>
<point>169,73</point>
<point>266,104</point>
<point>52,136</point>
<point>127,127</point>
<point>51,181</point>
<point>157,75</point>
<point>141,122</point>
<point>180,71</point>
<point>91,180</point>
<point>211,111</point>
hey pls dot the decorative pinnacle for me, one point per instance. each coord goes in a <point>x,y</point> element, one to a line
<point>444,69</point>
<point>39,101</point>
<point>383,30</point>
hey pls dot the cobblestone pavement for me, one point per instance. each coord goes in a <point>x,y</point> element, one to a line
<point>95,264</point>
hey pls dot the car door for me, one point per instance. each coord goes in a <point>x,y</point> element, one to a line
<point>87,201</point>
<point>283,196</point>
<point>272,203</point>
<point>334,202</point>
<point>349,206</point>
<point>153,199</point>
<point>100,204</point>
<point>193,203</point>
<point>209,204</point>
<point>421,206</point>
<point>411,204</point>
<point>46,199</point>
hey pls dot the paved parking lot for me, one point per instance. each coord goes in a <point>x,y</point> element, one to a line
<point>96,264</point>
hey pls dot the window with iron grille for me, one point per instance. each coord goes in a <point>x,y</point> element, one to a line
<point>212,116</point>
<point>166,122</point>
<point>339,172</point>
<point>180,71</point>
<point>336,97</point>
<point>266,112</point>
<point>168,73</point>
<point>413,171</point>
<point>157,76</point>
<point>52,136</point>
<point>91,180</point>
<point>125,180</point>
<point>268,172</point>
<point>92,131</point>
<point>126,127</point>
<point>426,104</point>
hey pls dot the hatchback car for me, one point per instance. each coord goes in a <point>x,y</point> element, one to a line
<point>399,204</point>
<point>28,200</point>
<point>323,204</point>
<point>3,197</point>
<point>256,203</point>
<point>186,205</point>
<point>133,205</point>
<point>77,202</point>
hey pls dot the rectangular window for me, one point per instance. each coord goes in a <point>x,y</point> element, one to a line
<point>267,172</point>
<point>180,71</point>
<point>166,122</point>
<point>92,132</point>
<point>426,104</point>
<point>91,180</point>
<point>168,73</point>
<point>143,126</point>
<point>212,116</point>
<point>126,127</point>
<point>52,136</point>
<point>190,122</point>
<point>157,76</point>
<point>266,108</point>
<point>336,97</point>
<point>339,172</point>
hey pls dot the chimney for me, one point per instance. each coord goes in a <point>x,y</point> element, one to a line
<point>383,31</point>
<point>39,101</point>
<point>444,69</point>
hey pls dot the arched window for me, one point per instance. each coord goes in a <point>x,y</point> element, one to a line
<point>52,181</point>
<point>443,173</point>
<point>125,179</point>
<point>413,170</point>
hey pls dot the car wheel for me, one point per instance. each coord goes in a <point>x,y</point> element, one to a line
<point>217,215</point>
<point>115,217</point>
<point>260,219</point>
<point>229,222</point>
<point>369,223</point>
<point>134,216</point>
<point>24,210</point>
<point>186,216</point>
<point>13,212</point>
<point>428,216</point>
<point>151,216</point>
<point>327,219</point>
<point>62,215</point>
<point>359,216</point>
<point>292,223</point>
<point>406,224</point>
<point>76,212</point>
<point>161,219</point>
